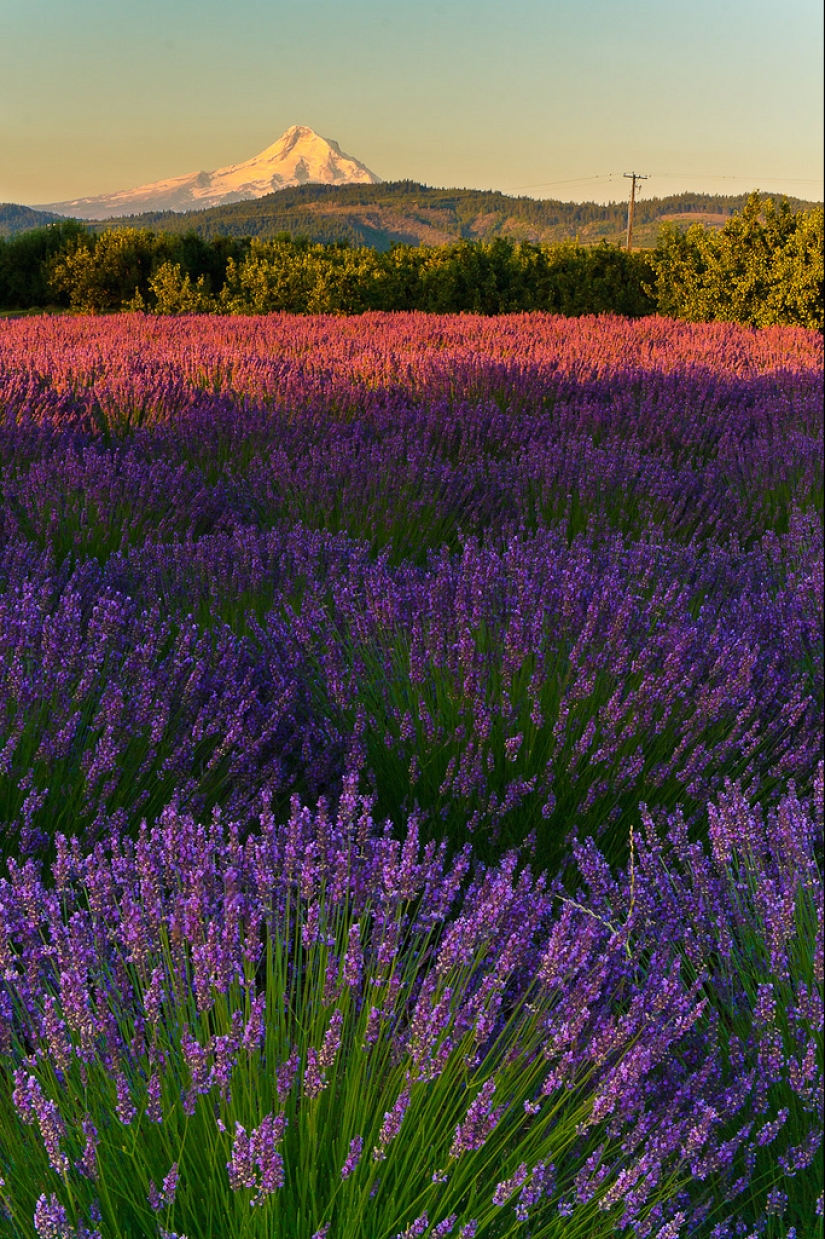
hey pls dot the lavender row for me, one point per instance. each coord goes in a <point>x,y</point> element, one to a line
<point>325,1031</point>
<point>263,358</point>
<point>406,432</point>
<point>691,462</point>
<point>533,688</point>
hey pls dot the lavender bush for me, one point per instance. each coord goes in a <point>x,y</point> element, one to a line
<point>324,1027</point>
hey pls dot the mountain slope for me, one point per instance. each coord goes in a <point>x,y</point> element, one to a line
<point>300,156</point>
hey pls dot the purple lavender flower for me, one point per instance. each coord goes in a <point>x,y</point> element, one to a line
<point>541,1183</point>
<point>255,1161</point>
<point>332,1040</point>
<point>87,1164</point>
<point>481,1119</point>
<point>51,1221</point>
<point>154,1105</point>
<point>354,958</point>
<point>672,1229</point>
<point>170,1185</point>
<point>391,1124</point>
<point>124,1108</point>
<point>415,1229</point>
<point>508,1187</point>
<point>285,1075</point>
<point>315,1080</point>
<point>356,1146</point>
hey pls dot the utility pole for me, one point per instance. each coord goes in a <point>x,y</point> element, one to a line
<point>633,177</point>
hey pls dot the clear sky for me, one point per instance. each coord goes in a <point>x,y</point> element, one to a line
<point>543,97</point>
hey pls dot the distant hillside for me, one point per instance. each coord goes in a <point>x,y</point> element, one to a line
<point>15,219</point>
<point>413,214</point>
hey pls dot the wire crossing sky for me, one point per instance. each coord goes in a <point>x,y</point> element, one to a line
<point>545,98</point>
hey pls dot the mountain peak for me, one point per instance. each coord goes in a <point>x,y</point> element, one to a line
<point>300,156</point>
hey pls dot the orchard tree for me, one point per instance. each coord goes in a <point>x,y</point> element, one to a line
<point>765,266</point>
<point>174,292</point>
<point>112,273</point>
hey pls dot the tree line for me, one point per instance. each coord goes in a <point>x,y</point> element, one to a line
<point>764,266</point>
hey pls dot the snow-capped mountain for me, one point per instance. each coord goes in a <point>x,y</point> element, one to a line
<point>299,156</point>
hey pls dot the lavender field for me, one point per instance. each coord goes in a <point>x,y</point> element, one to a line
<point>411,786</point>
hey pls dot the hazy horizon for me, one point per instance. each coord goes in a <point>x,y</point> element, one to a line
<point>530,97</point>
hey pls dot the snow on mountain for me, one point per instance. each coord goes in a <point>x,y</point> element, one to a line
<point>299,156</point>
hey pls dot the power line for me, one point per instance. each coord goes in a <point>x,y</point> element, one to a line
<point>576,180</point>
<point>783,180</point>
<point>705,176</point>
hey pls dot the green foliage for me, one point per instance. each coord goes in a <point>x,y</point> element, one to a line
<point>134,268</point>
<point>24,264</point>
<point>173,292</point>
<point>301,278</point>
<point>764,267</point>
<point>496,277</point>
<point>110,274</point>
<point>598,280</point>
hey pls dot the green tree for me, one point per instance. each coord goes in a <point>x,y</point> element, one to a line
<point>765,266</point>
<point>599,279</point>
<point>274,277</point>
<point>24,264</point>
<point>112,273</point>
<point>173,292</point>
<point>795,293</point>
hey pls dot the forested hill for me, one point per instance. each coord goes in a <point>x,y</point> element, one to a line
<point>15,219</point>
<point>404,211</point>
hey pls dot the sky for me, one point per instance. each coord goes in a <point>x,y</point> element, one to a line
<point>545,98</point>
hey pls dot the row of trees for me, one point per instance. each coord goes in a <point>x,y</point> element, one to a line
<point>136,269</point>
<point>69,266</point>
<point>765,266</point>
